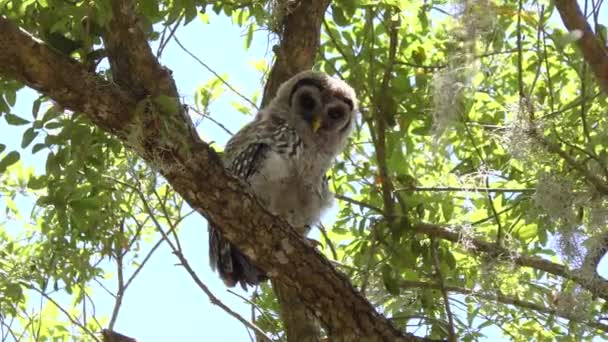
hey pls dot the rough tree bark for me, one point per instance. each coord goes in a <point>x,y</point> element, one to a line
<point>166,139</point>
<point>594,52</point>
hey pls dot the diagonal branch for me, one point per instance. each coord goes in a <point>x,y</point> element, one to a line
<point>600,185</point>
<point>167,140</point>
<point>591,47</point>
<point>69,83</point>
<point>591,282</point>
<point>505,299</point>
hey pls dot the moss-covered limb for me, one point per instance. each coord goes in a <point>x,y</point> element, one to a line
<point>197,174</point>
<point>68,82</point>
<point>587,280</point>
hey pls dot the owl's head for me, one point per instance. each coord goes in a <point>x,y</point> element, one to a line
<point>317,104</point>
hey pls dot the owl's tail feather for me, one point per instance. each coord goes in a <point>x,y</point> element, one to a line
<point>232,265</point>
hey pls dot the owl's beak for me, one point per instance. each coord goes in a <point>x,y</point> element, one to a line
<point>316,123</point>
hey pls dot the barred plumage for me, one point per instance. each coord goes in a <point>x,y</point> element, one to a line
<point>284,154</point>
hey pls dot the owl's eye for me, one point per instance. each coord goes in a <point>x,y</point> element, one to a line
<point>307,102</point>
<point>336,113</point>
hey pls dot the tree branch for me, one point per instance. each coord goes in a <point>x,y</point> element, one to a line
<point>598,183</point>
<point>66,81</point>
<point>383,110</point>
<point>591,282</point>
<point>446,298</point>
<point>594,53</point>
<point>112,336</point>
<point>167,140</point>
<point>299,44</point>
<point>504,299</point>
<point>133,64</point>
<point>471,189</point>
<point>595,253</point>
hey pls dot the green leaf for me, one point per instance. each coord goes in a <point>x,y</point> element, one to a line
<point>339,17</point>
<point>190,13</point>
<point>86,203</point>
<point>8,160</point>
<point>37,147</point>
<point>4,108</point>
<point>447,207</point>
<point>36,183</point>
<point>424,131</point>
<point>249,36</point>
<point>36,108</point>
<point>11,97</point>
<point>14,291</point>
<point>28,137</point>
<point>2,148</point>
<point>14,120</point>
<point>53,125</point>
<point>390,282</point>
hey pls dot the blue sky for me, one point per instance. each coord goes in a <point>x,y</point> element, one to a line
<point>163,303</point>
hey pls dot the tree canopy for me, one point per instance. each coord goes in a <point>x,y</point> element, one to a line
<point>472,196</point>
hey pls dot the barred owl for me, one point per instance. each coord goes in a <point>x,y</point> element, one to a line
<point>284,154</point>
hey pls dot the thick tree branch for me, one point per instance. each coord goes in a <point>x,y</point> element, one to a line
<point>196,173</point>
<point>133,64</point>
<point>595,54</point>
<point>299,44</point>
<point>66,81</point>
<point>113,336</point>
<point>591,282</point>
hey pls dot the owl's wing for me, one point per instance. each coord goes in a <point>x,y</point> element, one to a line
<point>245,156</point>
<point>224,257</point>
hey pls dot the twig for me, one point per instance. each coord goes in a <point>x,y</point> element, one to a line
<point>249,301</point>
<point>60,308</point>
<point>458,189</point>
<point>9,331</point>
<point>163,41</point>
<point>214,300</point>
<point>598,183</point>
<point>444,293</point>
<point>219,124</point>
<point>216,75</point>
<point>323,231</point>
<point>380,114</point>
<point>487,181</point>
<point>357,202</point>
<point>172,227</point>
<point>121,284</point>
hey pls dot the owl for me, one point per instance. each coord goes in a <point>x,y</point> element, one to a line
<point>284,155</point>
